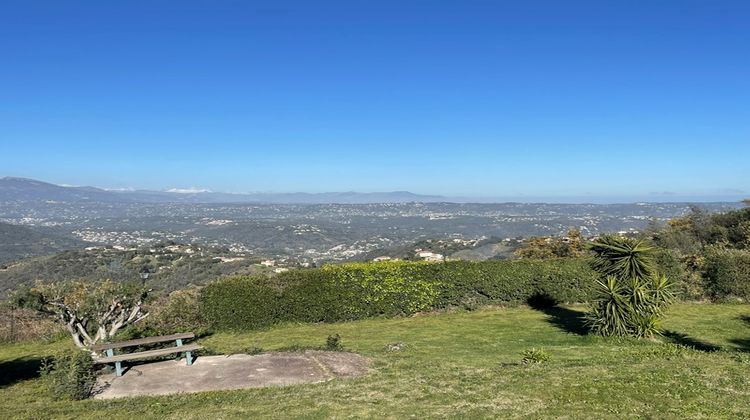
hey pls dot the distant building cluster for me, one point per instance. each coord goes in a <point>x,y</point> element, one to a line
<point>429,255</point>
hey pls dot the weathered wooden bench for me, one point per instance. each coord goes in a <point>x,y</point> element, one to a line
<point>109,349</point>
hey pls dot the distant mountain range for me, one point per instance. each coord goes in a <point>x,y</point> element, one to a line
<point>29,190</point>
<point>24,189</point>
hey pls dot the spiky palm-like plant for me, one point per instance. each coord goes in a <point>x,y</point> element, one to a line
<point>623,258</point>
<point>632,298</point>
<point>610,314</point>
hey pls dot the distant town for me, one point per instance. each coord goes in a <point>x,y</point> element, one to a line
<point>291,235</point>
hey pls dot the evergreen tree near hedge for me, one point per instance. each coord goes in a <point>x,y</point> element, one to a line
<point>631,296</point>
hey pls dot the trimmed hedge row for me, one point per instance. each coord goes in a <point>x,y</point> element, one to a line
<point>239,303</point>
<point>362,290</point>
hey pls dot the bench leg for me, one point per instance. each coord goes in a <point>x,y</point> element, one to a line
<point>118,368</point>
<point>118,365</point>
<point>188,355</point>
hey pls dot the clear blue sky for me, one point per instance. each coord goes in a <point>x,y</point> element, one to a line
<point>472,98</point>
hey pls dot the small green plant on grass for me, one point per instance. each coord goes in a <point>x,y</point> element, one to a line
<point>534,356</point>
<point>667,351</point>
<point>70,375</point>
<point>742,358</point>
<point>333,342</point>
<point>254,351</point>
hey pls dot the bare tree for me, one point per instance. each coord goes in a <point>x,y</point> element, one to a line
<point>93,312</point>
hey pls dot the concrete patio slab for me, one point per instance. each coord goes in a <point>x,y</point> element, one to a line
<point>239,371</point>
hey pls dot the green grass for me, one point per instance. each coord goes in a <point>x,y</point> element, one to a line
<point>464,365</point>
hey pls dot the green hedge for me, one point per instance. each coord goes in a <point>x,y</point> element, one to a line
<point>465,283</point>
<point>359,290</point>
<point>239,303</point>
<point>727,273</point>
<point>362,290</point>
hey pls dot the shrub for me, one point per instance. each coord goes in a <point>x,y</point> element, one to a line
<point>534,356</point>
<point>675,267</point>
<point>333,342</point>
<point>70,375</point>
<point>727,273</point>
<point>177,312</point>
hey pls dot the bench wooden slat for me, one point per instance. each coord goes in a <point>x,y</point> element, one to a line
<point>142,341</point>
<point>149,353</point>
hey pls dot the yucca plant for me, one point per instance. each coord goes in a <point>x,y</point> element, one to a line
<point>644,325</point>
<point>624,258</point>
<point>662,292</point>
<point>631,299</point>
<point>610,314</point>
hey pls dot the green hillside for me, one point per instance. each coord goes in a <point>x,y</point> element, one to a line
<point>170,266</point>
<point>18,242</point>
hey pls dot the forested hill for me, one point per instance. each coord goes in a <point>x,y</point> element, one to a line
<point>170,266</point>
<point>21,242</point>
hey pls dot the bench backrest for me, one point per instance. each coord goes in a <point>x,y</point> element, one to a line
<point>142,341</point>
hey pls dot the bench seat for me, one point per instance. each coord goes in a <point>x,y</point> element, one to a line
<point>149,353</point>
<point>109,349</point>
<point>142,341</point>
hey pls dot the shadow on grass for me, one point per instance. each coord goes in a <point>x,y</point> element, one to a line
<point>743,344</point>
<point>565,319</point>
<point>685,340</point>
<point>20,369</point>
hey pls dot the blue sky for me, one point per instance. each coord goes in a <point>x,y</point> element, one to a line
<point>469,98</point>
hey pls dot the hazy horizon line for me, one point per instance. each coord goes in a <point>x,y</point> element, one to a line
<point>729,196</point>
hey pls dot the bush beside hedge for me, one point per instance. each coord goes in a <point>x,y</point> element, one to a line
<point>69,374</point>
<point>727,273</point>
<point>362,290</point>
<point>176,312</point>
<point>688,282</point>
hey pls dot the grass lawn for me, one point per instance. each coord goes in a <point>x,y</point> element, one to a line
<point>459,365</point>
